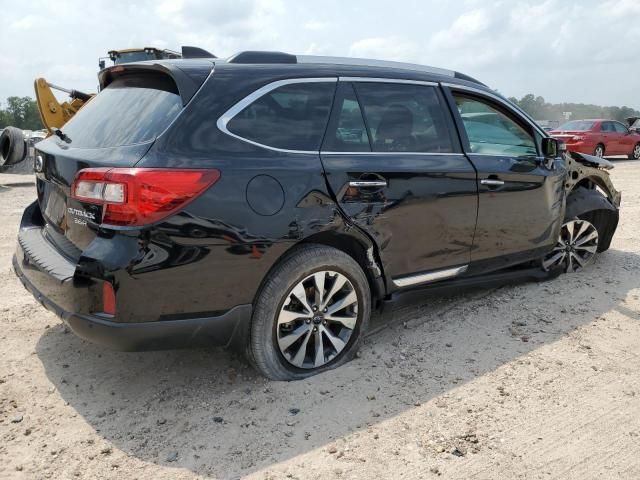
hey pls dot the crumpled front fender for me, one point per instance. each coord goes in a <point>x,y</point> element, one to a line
<point>589,171</point>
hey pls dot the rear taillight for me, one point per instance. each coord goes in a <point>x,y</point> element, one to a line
<point>140,196</point>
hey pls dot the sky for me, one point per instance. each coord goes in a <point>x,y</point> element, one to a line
<point>585,51</point>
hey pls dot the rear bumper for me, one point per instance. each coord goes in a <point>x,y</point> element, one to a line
<point>581,147</point>
<point>164,334</point>
<point>54,281</point>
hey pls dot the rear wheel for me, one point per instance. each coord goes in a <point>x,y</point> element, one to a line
<point>635,154</point>
<point>599,150</point>
<point>310,314</point>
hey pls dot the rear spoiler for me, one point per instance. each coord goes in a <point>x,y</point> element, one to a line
<point>187,75</point>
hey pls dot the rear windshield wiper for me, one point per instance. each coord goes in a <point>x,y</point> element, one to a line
<point>60,134</point>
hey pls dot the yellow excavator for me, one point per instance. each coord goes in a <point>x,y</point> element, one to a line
<point>15,144</point>
<point>55,114</point>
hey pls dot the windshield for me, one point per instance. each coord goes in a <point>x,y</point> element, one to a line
<point>133,109</point>
<point>577,125</point>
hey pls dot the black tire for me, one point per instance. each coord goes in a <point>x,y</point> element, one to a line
<point>263,350</point>
<point>12,146</point>
<point>591,206</point>
<point>599,146</point>
<point>635,153</point>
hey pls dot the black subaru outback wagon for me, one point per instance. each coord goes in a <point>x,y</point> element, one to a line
<point>275,201</point>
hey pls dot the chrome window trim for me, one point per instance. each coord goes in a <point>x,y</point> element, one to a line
<point>419,278</point>
<point>227,116</point>
<point>322,152</point>
<point>500,100</point>
<point>387,80</point>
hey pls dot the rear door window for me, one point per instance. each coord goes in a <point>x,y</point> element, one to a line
<point>491,131</point>
<point>404,118</point>
<point>347,131</point>
<point>607,127</point>
<point>291,117</point>
<point>133,109</point>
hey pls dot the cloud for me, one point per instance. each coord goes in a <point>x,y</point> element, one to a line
<point>561,49</point>
<point>621,8</point>
<point>316,25</point>
<point>385,48</point>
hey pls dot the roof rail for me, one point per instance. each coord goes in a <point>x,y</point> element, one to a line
<point>367,62</point>
<point>281,57</point>
<point>262,57</point>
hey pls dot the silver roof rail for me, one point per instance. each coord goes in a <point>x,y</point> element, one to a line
<point>366,62</point>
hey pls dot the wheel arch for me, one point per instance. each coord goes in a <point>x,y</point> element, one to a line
<point>591,204</point>
<point>353,243</point>
<point>362,250</point>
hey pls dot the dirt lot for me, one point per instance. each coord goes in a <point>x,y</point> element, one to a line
<point>528,381</point>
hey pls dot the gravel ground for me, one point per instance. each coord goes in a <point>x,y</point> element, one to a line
<point>538,380</point>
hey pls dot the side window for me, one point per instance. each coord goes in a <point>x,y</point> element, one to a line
<point>491,132</point>
<point>347,131</point>
<point>620,128</point>
<point>291,117</point>
<point>404,118</point>
<point>607,127</point>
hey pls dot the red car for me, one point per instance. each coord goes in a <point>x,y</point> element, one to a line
<point>599,138</point>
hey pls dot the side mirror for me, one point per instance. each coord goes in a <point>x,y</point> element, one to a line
<point>101,64</point>
<point>551,147</point>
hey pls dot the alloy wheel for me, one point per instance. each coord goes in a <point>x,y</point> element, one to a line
<point>636,152</point>
<point>576,247</point>
<point>317,319</point>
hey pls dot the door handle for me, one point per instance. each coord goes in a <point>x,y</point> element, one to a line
<point>490,182</point>
<point>368,183</point>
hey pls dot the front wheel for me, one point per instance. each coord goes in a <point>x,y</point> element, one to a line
<point>310,314</point>
<point>635,154</point>
<point>576,247</point>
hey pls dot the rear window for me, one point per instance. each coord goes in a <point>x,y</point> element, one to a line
<point>577,125</point>
<point>291,117</point>
<point>133,109</point>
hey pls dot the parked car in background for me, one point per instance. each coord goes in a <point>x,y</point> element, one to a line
<point>548,125</point>
<point>599,138</point>
<point>634,124</point>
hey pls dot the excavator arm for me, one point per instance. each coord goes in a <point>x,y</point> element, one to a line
<point>53,113</point>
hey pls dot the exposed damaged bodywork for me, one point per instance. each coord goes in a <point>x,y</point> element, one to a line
<point>587,175</point>
<point>590,172</point>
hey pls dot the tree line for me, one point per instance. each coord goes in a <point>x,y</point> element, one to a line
<point>22,112</point>
<point>539,109</point>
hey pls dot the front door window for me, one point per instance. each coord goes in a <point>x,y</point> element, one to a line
<point>491,132</point>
